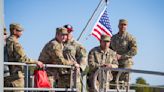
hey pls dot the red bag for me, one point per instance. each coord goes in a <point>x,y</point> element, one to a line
<point>41,79</point>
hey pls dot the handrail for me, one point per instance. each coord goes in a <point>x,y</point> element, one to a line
<point>74,89</point>
<point>121,70</point>
<point>136,71</point>
<point>47,65</point>
<point>39,89</point>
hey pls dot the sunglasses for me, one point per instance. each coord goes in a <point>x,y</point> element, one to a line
<point>19,30</point>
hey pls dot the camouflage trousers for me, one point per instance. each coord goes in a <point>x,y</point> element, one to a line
<point>90,85</point>
<point>124,77</point>
<point>102,81</point>
<point>65,80</point>
<point>78,80</point>
<point>16,80</point>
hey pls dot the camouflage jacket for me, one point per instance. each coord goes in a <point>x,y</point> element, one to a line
<point>97,57</point>
<point>124,45</point>
<point>75,52</point>
<point>16,53</point>
<point>52,53</point>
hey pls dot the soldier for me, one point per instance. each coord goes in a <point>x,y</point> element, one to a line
<point>6,68</point>
<point>16,53</point>
<point>125,46</point>
<point>74,51</point>
<point>101,56</point>
<point>52,53</point>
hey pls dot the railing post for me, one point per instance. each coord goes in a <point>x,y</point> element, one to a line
<point>71,79</point>
<point>84,80</point>
<point>117,81</point>
<point>127,88</point>
<point>26,76</point>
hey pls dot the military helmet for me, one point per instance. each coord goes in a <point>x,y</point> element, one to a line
<point>16,26</point>
<point>68,27</point>
<point>105,38</point>
<point>61,30</point>
<point>123,21</point>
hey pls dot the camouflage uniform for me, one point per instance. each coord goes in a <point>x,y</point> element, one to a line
<point>96,58</point>
<point>52,53</point>
<point>125,45</point>
<point>6,68</point>
<point>75,52</point>
<point>16,53</point>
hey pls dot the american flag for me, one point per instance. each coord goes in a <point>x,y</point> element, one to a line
<point>102,26</point>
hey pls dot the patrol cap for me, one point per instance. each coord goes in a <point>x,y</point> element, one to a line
<point>61,30</point>
<point>16,26</point>
<point>68,27</point>
<point>123,21</point>
<point>105,38</point>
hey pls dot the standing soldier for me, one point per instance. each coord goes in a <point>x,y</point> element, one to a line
<point>52,53</point>
<point>74,51</point>
<point>6,68</point>
<point>16,53</point>
<point>101,56</point>
<point>125,46</point>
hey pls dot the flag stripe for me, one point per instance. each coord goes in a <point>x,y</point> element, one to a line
<point>97,31</point>
<point>96,36</point>
<point>104,30</point>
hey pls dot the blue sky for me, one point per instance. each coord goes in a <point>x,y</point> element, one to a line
<point>41,17</point>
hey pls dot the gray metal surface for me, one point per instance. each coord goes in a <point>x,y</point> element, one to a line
<point>1,42</point>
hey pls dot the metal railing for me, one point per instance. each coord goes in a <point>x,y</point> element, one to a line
<point>27,76</point>
<point>71,89</point>
<point>120,71</point>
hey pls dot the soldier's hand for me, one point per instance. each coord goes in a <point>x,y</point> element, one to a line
<point>70,63</point>
<point>39,64</point>
<point>77,65</point>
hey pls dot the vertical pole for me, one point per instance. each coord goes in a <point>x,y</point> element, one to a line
<point>71,80</point>
<point>26,76</point>
<point>84,84</point>
<point>127,87</point>
<point>1,46</point>
<point>101,1</point>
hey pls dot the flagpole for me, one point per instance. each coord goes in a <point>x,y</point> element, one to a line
<point>91,18</point>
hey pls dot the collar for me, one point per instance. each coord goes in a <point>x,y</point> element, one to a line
<point>102,51</point>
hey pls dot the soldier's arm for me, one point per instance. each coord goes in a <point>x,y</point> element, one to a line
<point>91,61</point>
<point>43,56</point>
<point>132,49</point>
<point>82,55</point>
<point>20,54</point>
<point>58,56</point>
<point>114,62</point>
